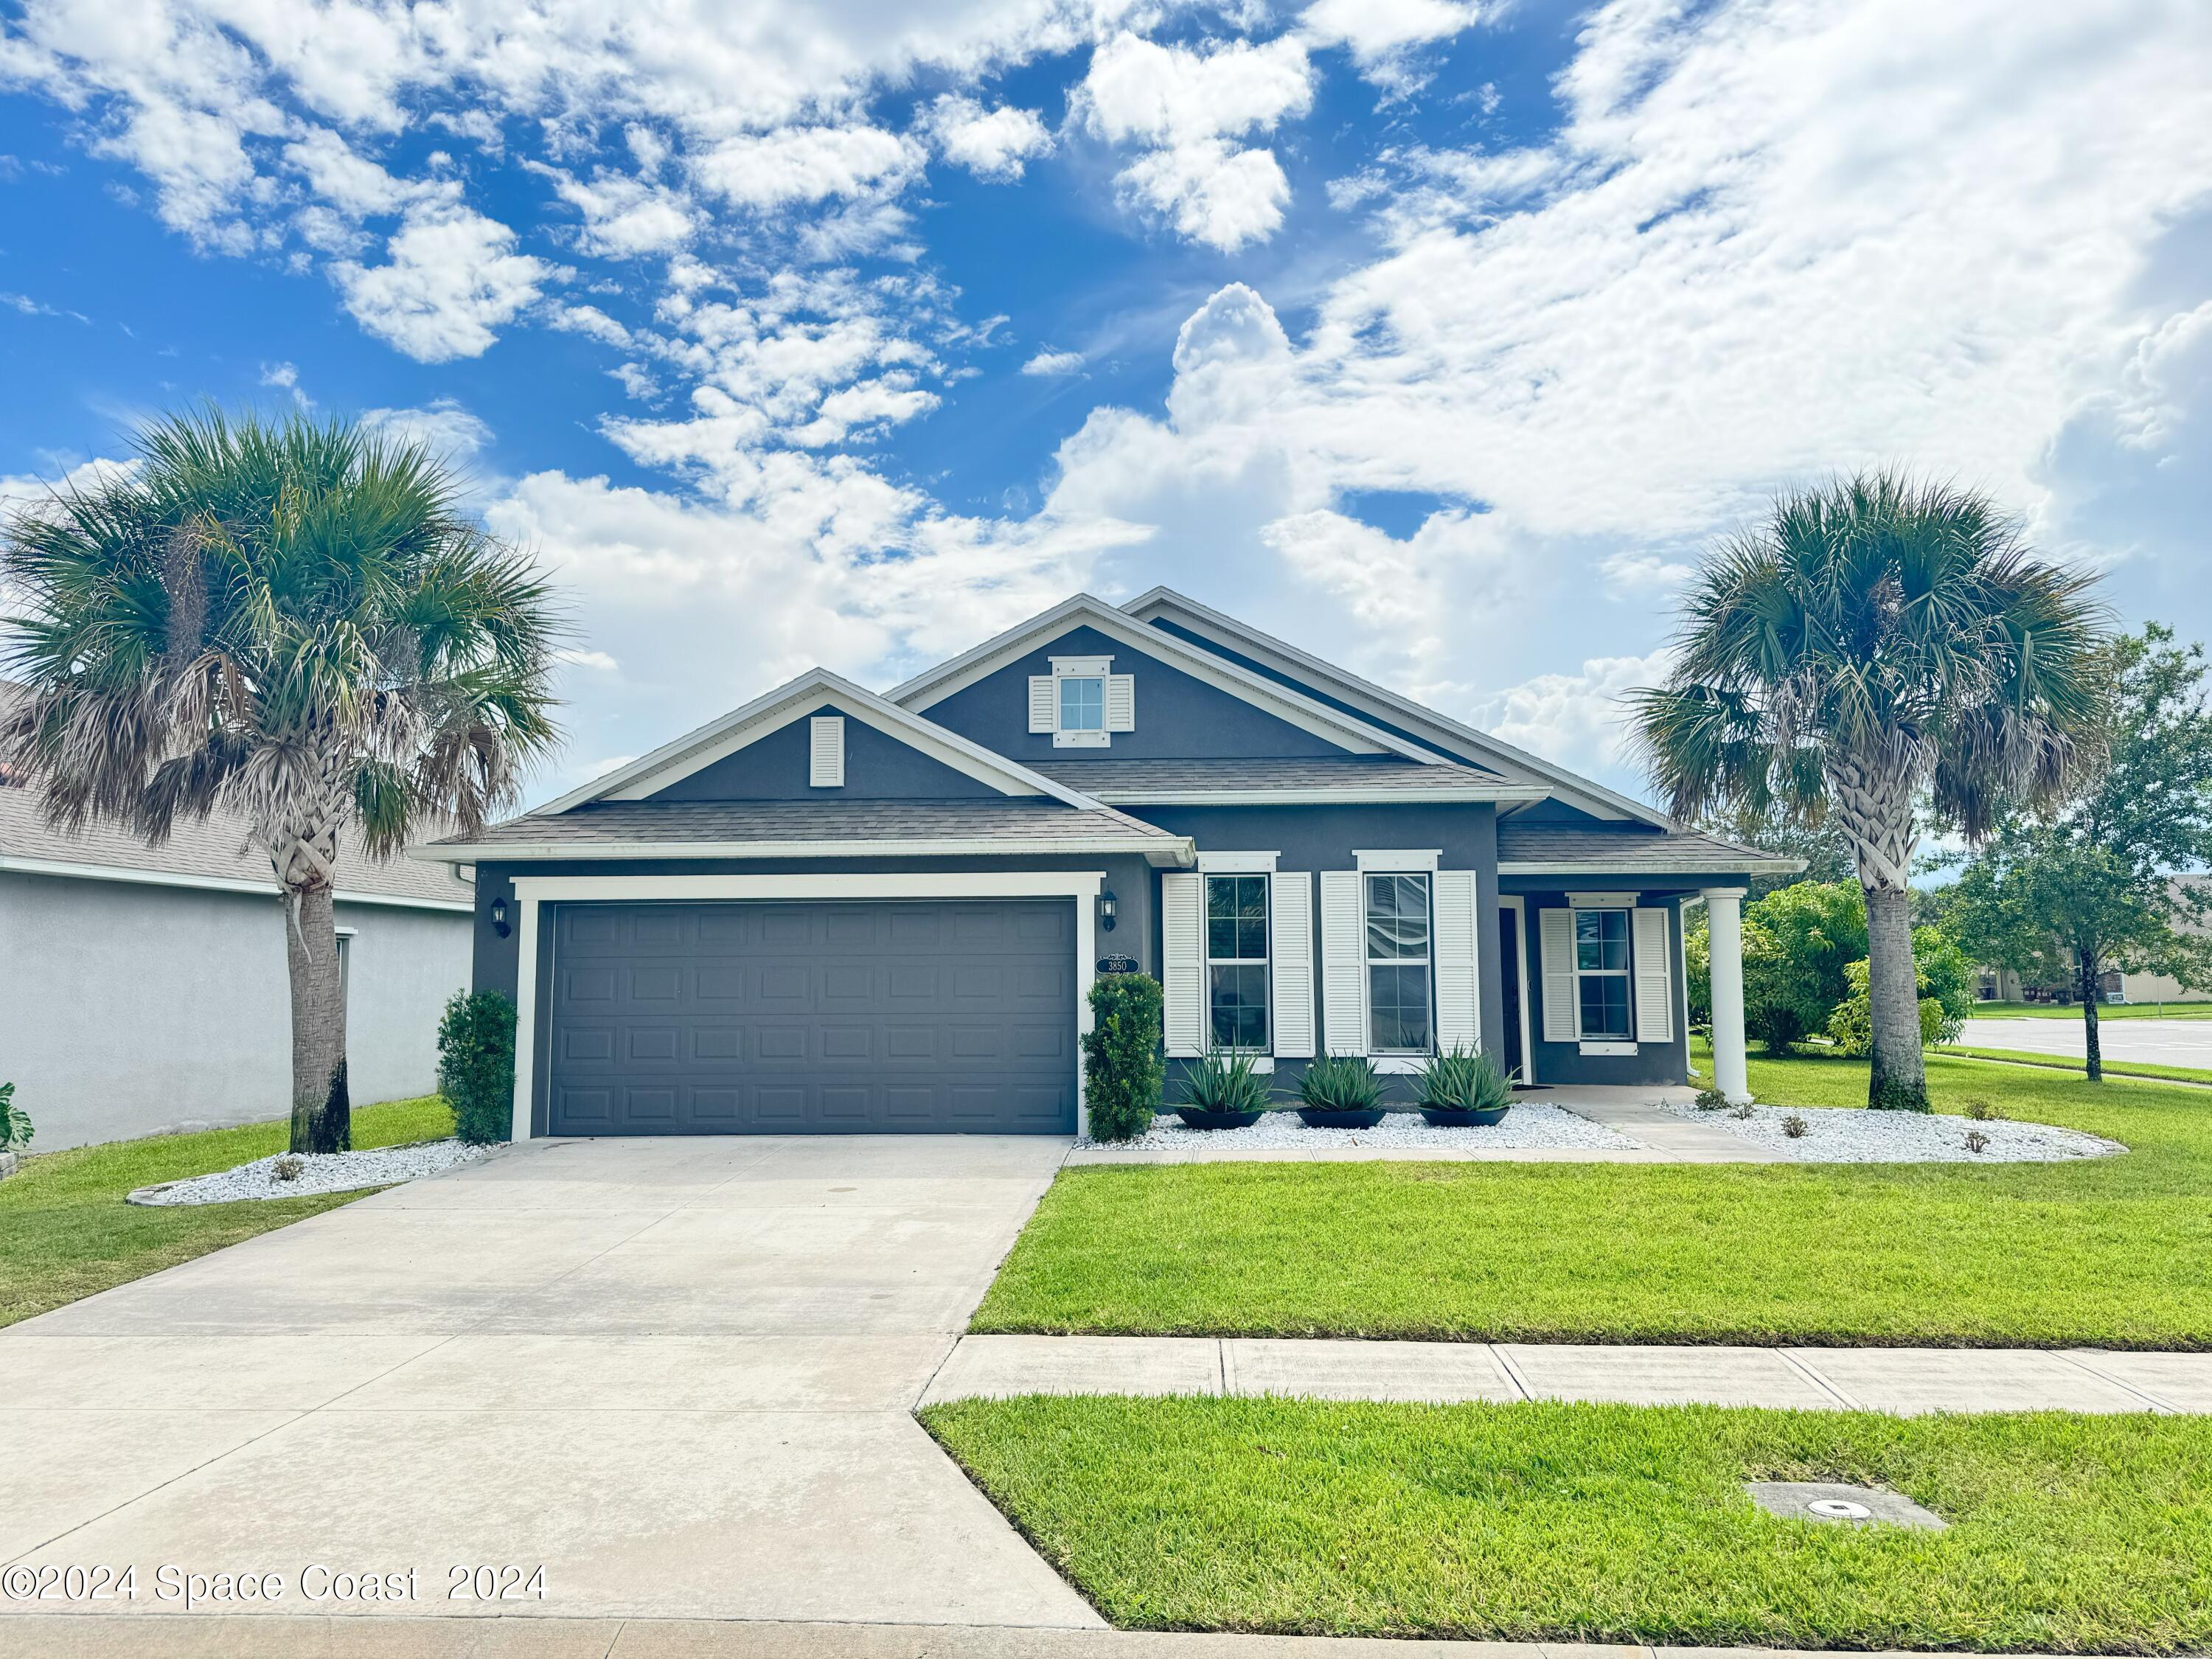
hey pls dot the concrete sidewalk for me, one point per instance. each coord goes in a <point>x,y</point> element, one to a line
<point>1906,1381</point>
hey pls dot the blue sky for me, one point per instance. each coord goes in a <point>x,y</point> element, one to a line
<point>1435,337</point>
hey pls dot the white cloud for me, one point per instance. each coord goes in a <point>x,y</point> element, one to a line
<point>1054,363</point>
<point>806,164</point>
<point>1575,719</point>
<point>990,143</point>
<point>451,277</point>
<point>1383,36</point>
<point>1210,193</point>
<point>626,217</point>
<point>448,428</point>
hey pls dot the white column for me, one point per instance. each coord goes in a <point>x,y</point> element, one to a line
<point>1724,925</point>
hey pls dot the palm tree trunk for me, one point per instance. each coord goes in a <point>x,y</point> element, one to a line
<point>2091,1046</point>
<point>322,1112</point>
<point>1899,1079</point>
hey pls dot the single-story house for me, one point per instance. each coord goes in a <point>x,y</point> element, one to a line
<point>145,986</point>
<point>831,911</point>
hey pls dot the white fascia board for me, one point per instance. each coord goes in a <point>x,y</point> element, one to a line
<point>213,884</point>
<point>1320,796</point>
<point>1714,867</point>
<point>1347,732</point>
<point>764,715</point>
<point>1177,851</point>
<point>1244,636</point>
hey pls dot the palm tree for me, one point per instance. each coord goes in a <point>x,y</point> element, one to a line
<point>1881,645</point>
<point>290,621</point>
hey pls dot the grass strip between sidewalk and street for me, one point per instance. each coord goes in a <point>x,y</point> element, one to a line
<point>2073,1063</point>
<point>2113,1252</point>
<point>65,1231</point>
<point>1550,1522</point>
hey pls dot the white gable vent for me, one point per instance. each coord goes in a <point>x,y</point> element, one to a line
<point>825,751</point>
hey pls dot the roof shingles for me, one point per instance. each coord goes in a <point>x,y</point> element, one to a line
<point>1626,850</point>
<point>1015,820</point>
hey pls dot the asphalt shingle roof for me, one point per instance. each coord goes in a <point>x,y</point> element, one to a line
<point>1381,773</point>
<point>1013,820</point>
<point>1624,849</point>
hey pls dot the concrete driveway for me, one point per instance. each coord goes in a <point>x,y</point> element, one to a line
<point>2146,1042</point>
<point>675,1374</point>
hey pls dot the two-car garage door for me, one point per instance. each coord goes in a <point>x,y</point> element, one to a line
<point>882,1017</point>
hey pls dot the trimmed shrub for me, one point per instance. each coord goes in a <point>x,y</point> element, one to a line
<point>476,1066</point>
<point>1463,1079</point>
<point>16,1129</point>
<point>1226,1083</point>
<point>1340,1083</point>
<point>1122,1070</point>
<point>1946,996</point>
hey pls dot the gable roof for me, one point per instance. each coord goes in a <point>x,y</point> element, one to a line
<point>1541,848</point>
<point>1457,739</point>
<point>773,710</point>
<point>1287,703</point>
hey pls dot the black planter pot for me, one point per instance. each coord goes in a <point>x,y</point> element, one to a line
<point>1448,1117</point>
<point>1197,1119</point>
<point>1315,1118</point>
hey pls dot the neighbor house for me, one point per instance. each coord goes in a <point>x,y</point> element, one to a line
<point>834,912</point>
<point>143,988</point>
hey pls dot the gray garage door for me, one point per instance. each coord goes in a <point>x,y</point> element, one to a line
<point>813,1018</point>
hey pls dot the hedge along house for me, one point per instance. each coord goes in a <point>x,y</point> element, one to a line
<point>831,911</point>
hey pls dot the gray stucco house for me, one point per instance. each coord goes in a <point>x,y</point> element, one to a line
<point>142,989</point>
<point>835,912</point>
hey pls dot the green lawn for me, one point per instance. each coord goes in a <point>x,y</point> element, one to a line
<point>2067,1063</point>
<point>65,1231</point>
<point>1607,1523</point>
<point>2111,1252</point>
<point>2105,1010</point>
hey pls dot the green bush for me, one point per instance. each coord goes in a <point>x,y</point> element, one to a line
<point>1945,977</point>
<point>476,1066</point>
<point>1340,1083</point>
<point>1463,1079</point>
<point>1122,1072</point>
<point>1226,1083</point>
<point>1798,943</point>
<point>16,1129</point>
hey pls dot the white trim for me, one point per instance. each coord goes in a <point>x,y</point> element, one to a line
<point>22,867</point>
<point>1172,849</point>
<point>1489,749</point>
<point>1603,1045</point>
<point>1519,905</point>
<point>1399,1065</point>
<point>1238,864</point>
<point>759,718</point>
<point>531,891</point>
<point>1587,1047</point>
<point>1081,668</point>
<point>1319,795</point>
<point>1704,872</point>
<point>1402,860</point>
<point>1308,714</point>
<point>1602,901</point>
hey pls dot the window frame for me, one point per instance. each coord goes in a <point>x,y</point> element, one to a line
<point>1625,973</point>
<point>1264,963</point>
<point>1061,685</point>
<point>1370,873</point>
<point>1064,668</point>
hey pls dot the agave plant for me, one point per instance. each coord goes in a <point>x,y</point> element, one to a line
<point>1225,1083</point>
<point>1463,1079</point>
<point>1340,1083</point>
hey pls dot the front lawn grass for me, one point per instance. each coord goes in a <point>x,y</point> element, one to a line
<point>2108,1252</point>
<point>1549,1521</point>
<point>65,1231</point>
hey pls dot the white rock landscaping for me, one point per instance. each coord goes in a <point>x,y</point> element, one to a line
<point>1851,1134</point>
<point>324,1172</point>
<point>1530,1125</point>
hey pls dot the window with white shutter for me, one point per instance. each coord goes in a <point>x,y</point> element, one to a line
<point>1292,893</point>
<point>1083,703</point>
<point>1655,983</point>
<point>1183,966</point>
<point>1120,703</point>
<point>1556,937</point>
<point>1044,705</point>
<point>1459,1012</point>
<point>825,751</point>
<point>1343,963</point>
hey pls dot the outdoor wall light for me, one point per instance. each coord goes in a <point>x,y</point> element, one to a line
<point>499,922</point>
<point>1106,910</point>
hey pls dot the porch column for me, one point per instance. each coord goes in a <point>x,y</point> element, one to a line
<point>1725,925</point>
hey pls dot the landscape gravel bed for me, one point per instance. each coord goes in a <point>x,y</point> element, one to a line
<point>323,1172</point>
<point>1529,1125</point>
<point>1851,1134</point>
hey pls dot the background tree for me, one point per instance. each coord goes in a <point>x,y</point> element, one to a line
<point>1822,845</point>
<point>1798,942</point>
<point>1877,641</point>
<point>292,620</point>
<point>2088,885</point>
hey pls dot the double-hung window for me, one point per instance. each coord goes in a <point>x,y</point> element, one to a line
<point>1400,1001</point>
<point>1601,976</point>
<point>1082,702</point>
<point>1236,961</point>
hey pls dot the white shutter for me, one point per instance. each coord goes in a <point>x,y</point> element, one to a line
<point>825,751</point>
<point>1459,1012</point>
<point>1182,977</point>
<point>1044,712</point>
<point>1558,934</point>
<point>1343,963</point>
<point>1120,703</point>
<point>1290,896</point>
<point>1655,984</point>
